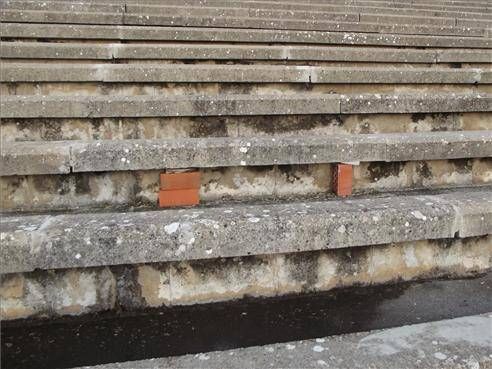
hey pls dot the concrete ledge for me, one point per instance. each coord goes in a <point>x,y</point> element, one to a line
<point>40,16</point>
<point>39,50</point>
<point>23,72</point>
<point>447,344</point>
<point>59,241</point>
<point>251,9</point>
<point>230,105</point>
<point>176,34</point>
<point>59,157</point>
<point>43,50</point>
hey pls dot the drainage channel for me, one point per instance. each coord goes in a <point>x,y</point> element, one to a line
<point>109,337</point>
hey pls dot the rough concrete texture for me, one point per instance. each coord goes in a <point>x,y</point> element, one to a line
<point>58,241</point>
<point>140,188</point>
<point>461,343</point>
<point>280,87</point>
<point>235,104</point>
<point>112,51</point>
<point>149,33</point>
<point>407,24</point>
<point>40,50</point>
<point>39,129</point>
<point>130,287</point>
<point>59,72</point>
<point>263,10</point>
<point>29,158</point>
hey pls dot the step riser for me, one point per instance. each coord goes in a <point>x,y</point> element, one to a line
<point>201,127</point>
<point>132,287</point>
<point>140,188</point>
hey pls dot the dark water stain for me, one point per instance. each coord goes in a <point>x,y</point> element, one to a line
<point>113,337</point>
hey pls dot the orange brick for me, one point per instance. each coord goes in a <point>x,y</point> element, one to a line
<point>172,198</point>
<point>180,180</point>
<point>342,179</point>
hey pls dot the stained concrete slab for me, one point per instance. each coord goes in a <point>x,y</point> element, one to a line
<point>199,73</point>
<point>93,239</point>
<point>239,104</point>
<point>59,157</point>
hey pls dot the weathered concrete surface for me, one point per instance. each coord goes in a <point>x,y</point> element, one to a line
<point>125,189</point>
<point>59,72</point>
<point>248,9</point>
<point>376,103</point>
<point>53,158</point>
<point>158,106</point>
<point>58,241</point>
<point>461,343</point>
<point>407,24</point>
<point>45,157</point>
<point>60,31</point>
<point>111,51</point>
<point>239,104</point>
<point>133,287</point>
<point>40,50</point>
<point>60,129</point>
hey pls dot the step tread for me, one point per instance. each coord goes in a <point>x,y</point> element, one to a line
<point>415,24</point>
<point>58,157</point>
<point>460,342</point>
<point>63,72</point>
<point>32,242</point>
<point>176,34</point>
<point>176,51</point>
<point>258,8</point>
<point>75,106</point>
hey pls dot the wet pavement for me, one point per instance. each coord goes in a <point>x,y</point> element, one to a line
<point>110,337</point>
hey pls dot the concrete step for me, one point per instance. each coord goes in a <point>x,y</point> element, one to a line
<point>32,242</point>
<point>460,7</point>
<point>199,73</point>
<point>117,51</point>
<point>269,10</point>
<point>184,34</point>
<point>258,9</point>
<point>341,13</point>
<point>447,344</point>
<point>243,105</point>
<point>407,24</point>
<point>62,157</point>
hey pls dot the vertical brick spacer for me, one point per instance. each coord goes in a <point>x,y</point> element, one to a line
<point>342,178</point>
<point>179,188</point>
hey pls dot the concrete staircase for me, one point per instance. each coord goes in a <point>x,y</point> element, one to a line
<point>264,99</point>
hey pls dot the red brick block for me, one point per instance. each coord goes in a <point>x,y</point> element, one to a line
<point>342,179</point>
<point>173,198</point>
<point>180,180</point>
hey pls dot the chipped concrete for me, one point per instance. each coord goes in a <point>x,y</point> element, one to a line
<point>58,241</point>
<point>79,291</point>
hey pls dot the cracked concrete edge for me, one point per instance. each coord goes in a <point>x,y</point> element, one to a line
<point>62,157</point>
<point>58,241</point>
